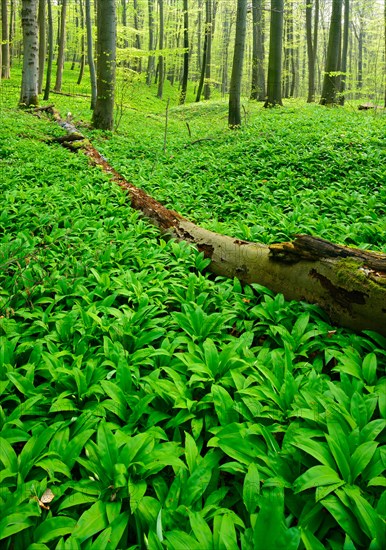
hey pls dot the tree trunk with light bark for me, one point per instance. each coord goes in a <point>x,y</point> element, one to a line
<point>275,55</point>
<point>30,74</point>
<point>234,112</point>
<point>103,116</point>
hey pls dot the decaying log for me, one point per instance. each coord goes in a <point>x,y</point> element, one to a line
<point>349,284</point>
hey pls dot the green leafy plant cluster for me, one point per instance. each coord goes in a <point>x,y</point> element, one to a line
<point>162,408</point>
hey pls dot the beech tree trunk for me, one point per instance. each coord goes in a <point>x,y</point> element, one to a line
<point>330,82</point>
<point>90,55</point>
<point>62,45</point>
<point>349,284</point>
<point>234,112</point>
<point>30,74</point>
<point>50,50</point>
<point>275,55</point>
<point>258,77</point>
<point>103,116</point>
<point>185,72</point>
<point>5,51</point>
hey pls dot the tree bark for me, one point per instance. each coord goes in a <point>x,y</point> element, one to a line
<point>50,50</point>
<point>151,59</point>
<point>275,55</point>
<point>258,77</point>
<point>330,88</point>
<point>42,41</point>
<point>343,68</point>
<point>185,70</point>
<point>103,116</point>
<point>312,44</point>
<point>82,44</point>
<point>161,46</point>
<point>234,114</point>
<point>62,45</point>
<point>90,55</point>
<point>5,54</point>
<point>350,284</point>
<point>30,74</point>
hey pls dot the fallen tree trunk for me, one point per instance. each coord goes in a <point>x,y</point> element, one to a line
<point>349,284</point>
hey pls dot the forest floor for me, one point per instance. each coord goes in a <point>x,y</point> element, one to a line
<point>163,407</point>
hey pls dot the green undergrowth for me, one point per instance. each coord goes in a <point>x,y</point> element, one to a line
<point>145,404</point>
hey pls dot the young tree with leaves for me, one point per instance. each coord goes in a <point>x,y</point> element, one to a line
<point>103,116</point>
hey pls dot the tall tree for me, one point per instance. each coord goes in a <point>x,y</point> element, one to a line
<point>103,116</point>
<point>330,81</point>
<point>42,41</point>
<point>82,43</point>
<point>275,54</point>
<point>30,74</point>
<point>312,45</point>
<point>208,65</point>
<point>62,45</point>
<point>90,55</point>
<point>161,47</point>
<point>384,30</point>
<point>258,76</point>
<point>234,113</point>
<point>151,58</point>
<point>5,54</point>
<point>50,50</point>
<point>206,51</point>
<point>137,43</point>
<point>343,68</point>
<point>185,70</point>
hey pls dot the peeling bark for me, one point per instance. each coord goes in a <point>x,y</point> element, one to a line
<point>349,284</point>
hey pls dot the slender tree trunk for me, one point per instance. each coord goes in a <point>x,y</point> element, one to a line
<point>275,55</point>
<point>384,30</point>
<point>124,22</point>
<point>205,50</point>
<point>50,50</point>
<point>360,60</point>
<point>208,65</point>
<point>151,59</point>
<point>90,55</point>
<point>30,75</point>
<point>42,41</point>
<point>330,89</point>
<point>11,32</point>
<point>103,116</point>
<point>343,68</point>
<point>137,43</point>
<point>185,71</point>
<point>312,42</point>
<point>62,45</point>
<point>5,54</point>
<point>226,32</point>
<point>161,47</point>
<point>234,113</point>
<point>82,43</point>
<point>258,76</point>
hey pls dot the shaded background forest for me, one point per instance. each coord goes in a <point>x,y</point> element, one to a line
<point>150,32</point>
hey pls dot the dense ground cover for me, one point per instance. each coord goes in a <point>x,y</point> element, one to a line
<point>162,407</point>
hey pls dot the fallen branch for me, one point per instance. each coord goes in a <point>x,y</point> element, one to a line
<point>350,284</point>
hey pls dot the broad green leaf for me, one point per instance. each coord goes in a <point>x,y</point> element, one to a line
<point>369,369</point>
<point>224,532</point>
<point>91,522</point>
<point>251,488</point>
<point>136,490</point>
<point>191,452</point>
<point>223,404</point>
<point>178,540</point>
<point>345,518</point>
<point>317,476</point>
<point>7,455</point>
<point>367,517</point>
<point>102,542</point>
<point>200,529</point>
<point>107,448</point>
<point>310,541</point>
<point>361,457</point>
<point>52,528</point>
<point>316,449</point>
